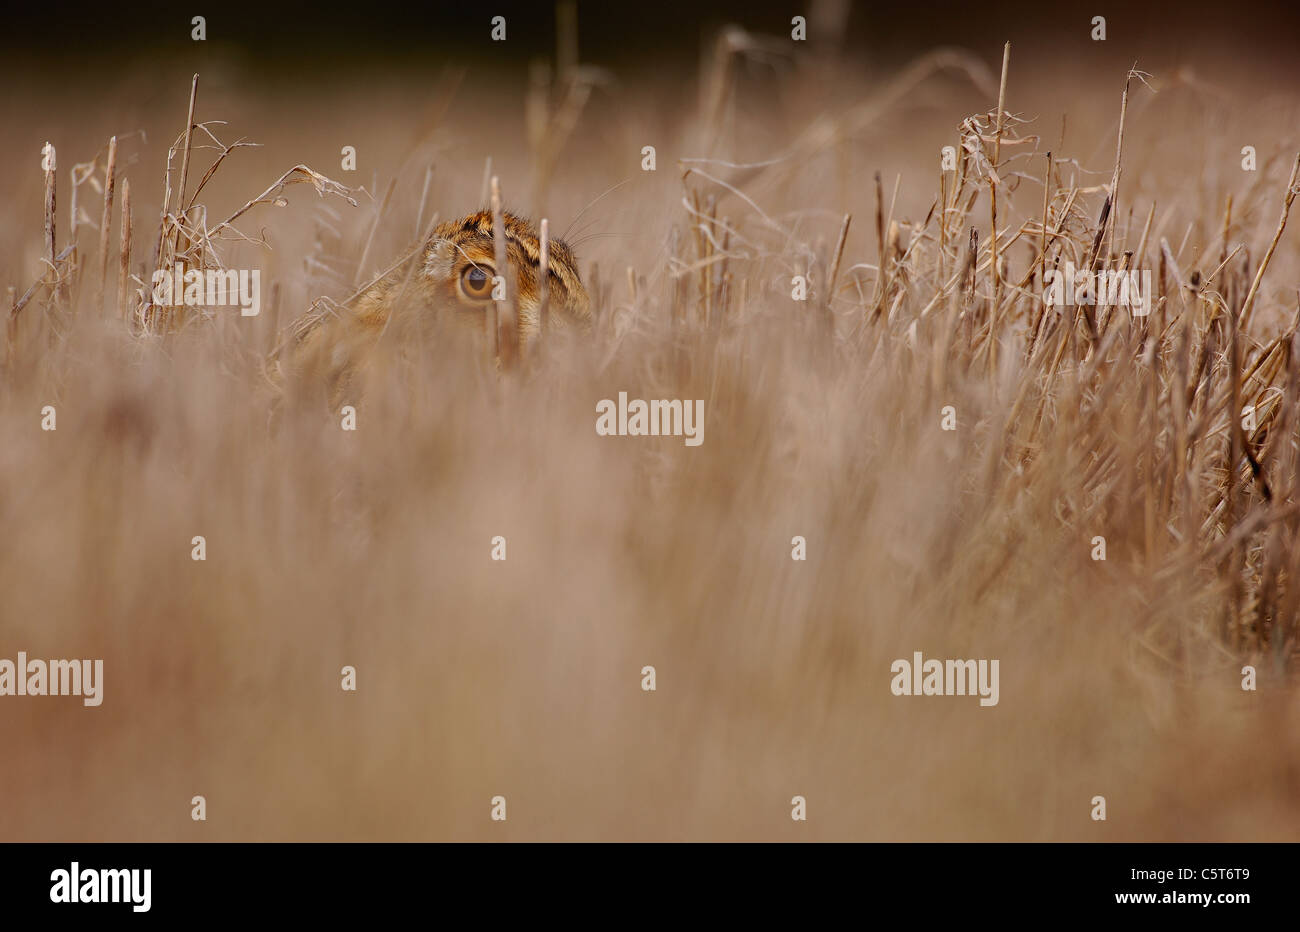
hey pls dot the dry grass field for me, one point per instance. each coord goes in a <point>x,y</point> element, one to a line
<point>824,419</point>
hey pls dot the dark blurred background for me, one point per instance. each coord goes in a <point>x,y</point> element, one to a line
<point>666,33</point>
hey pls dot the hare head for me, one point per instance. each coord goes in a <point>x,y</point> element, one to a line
<point>453,281</point>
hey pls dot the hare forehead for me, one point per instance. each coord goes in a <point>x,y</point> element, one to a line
<point>444,255</point>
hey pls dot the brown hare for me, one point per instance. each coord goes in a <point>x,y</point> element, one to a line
<point>451,283</point>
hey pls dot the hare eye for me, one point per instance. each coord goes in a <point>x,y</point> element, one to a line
<point>476,282</point>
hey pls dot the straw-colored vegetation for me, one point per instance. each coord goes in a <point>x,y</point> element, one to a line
<point>824,419</point>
